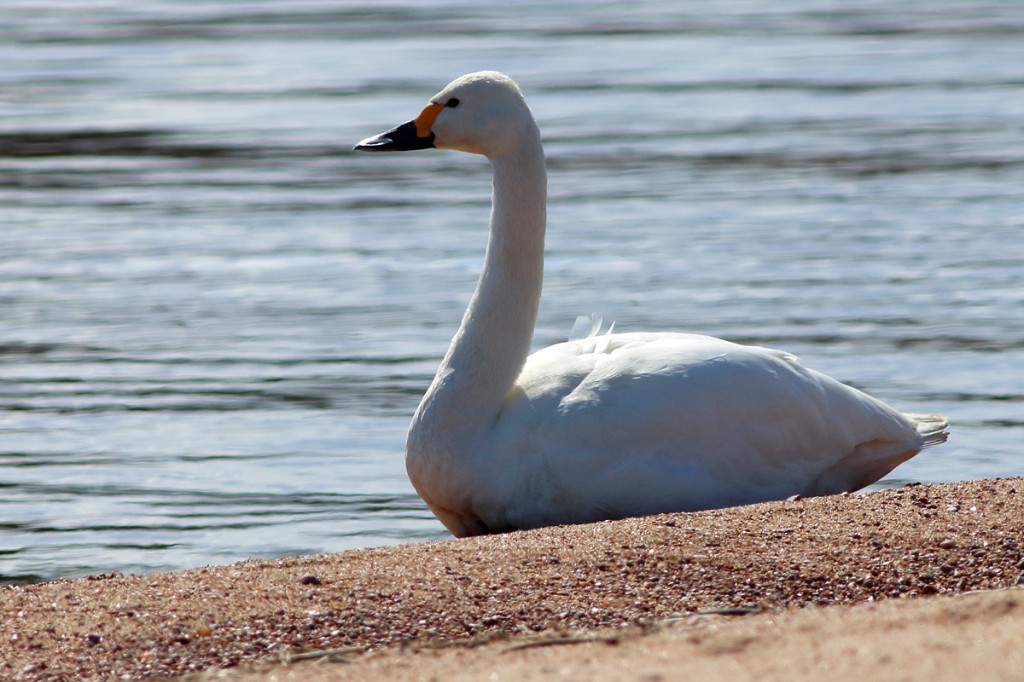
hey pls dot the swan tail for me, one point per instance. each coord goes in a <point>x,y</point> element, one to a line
<point>872,460</point>
<point>933,428</point>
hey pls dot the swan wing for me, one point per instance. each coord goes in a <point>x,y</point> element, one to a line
<point>628,424</point>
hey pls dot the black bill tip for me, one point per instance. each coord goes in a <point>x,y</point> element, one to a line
<point>400,139</point>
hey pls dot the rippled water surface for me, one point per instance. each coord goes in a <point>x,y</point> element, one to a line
<point>217,319</point>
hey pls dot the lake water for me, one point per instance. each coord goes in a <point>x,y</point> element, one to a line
<point>217,319</point>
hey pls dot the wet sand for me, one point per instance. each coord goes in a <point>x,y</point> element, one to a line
<point>784,590</point>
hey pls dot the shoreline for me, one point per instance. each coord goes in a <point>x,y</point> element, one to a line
<point>765,562</point>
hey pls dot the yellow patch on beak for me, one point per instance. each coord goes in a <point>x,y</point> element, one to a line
<point>425,121</point>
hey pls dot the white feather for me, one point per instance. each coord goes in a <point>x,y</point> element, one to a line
<point>586,326</point>
<point>613,425</point>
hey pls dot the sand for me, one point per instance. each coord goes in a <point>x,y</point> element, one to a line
<point>974,637</point>
<point>878,586</point>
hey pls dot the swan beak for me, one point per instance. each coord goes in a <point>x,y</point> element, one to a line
<point>415,134</point>
<point>404,138</point>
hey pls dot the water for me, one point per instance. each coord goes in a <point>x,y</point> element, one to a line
<point>217,320</point>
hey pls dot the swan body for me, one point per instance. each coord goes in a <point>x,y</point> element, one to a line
<point>610,425</point>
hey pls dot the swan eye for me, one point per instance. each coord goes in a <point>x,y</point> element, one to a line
<point>453,102</point>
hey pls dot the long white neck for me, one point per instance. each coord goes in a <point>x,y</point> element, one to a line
<point>493,341</point>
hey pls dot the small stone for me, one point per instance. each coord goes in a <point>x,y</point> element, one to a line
<point>93,639</point>
<point>947,544</point>
<point>311,580</point>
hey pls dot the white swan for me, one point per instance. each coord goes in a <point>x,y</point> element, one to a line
<point>617,425</point>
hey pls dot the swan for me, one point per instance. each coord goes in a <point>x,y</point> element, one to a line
<point>610,425</point>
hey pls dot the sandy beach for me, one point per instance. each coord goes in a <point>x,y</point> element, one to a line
<point>918,582</point>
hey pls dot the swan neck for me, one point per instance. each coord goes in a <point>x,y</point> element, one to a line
<point>492,343</point>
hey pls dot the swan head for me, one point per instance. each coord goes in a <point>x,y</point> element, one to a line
<point>481,113</point>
